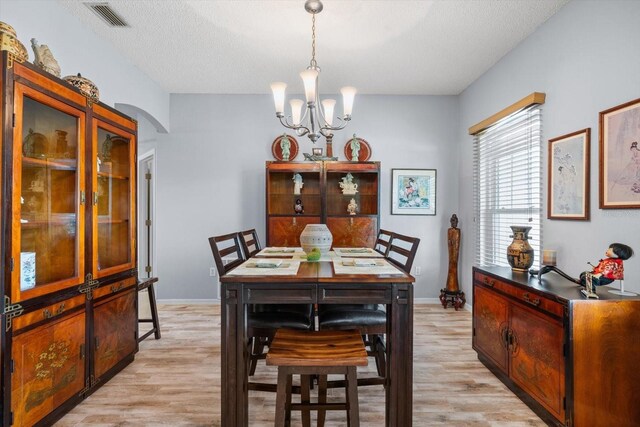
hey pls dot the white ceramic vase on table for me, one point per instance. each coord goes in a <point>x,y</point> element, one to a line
<point>316,236</point>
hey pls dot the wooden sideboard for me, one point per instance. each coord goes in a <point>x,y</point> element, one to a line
<point>572,360</point>
<point>323,201</point>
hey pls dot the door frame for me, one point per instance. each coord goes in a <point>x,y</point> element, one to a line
<point>144,158</point>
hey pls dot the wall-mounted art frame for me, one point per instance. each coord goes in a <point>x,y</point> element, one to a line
<point>620,156</point>
<point>568,177</point>
<point>413,191</point>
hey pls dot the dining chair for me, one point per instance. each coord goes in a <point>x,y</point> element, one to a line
<point>251,246</point>
<point>262,319</point>
<point>250,242</point>
<point>402,251</point>
<point>382,242</point>
<point>371,319</point>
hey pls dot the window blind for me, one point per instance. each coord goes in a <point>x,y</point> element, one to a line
<point>508,184</point>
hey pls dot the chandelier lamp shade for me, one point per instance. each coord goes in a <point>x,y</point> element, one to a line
<point>318,117</point>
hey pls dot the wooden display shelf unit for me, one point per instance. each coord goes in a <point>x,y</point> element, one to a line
<point>68,281</point>
<point>572,360</point>
<point>323,201</point>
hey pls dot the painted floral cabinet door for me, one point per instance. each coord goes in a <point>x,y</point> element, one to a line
<point>49,368</point>
<point>490,326</point>
<point>115,325</point>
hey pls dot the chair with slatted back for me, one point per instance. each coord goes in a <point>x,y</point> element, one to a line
<point>402,251</point>
<point>371,319</point>
<point>382,242</point>
<point>250,242</point>
<point>264,319</point>
<point>251,246</point>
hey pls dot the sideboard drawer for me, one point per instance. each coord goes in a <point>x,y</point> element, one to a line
<point>526,296</point>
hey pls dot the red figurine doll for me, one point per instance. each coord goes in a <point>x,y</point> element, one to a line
<point>610,268</point>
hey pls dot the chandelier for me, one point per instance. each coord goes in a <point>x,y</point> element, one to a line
<point>316,120</point>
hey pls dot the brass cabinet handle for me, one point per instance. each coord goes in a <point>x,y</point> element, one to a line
<point>116,287</point>
<point>48,314</point>
<point>490,283</point>
<point>535,302</point>
<point>504,335</point>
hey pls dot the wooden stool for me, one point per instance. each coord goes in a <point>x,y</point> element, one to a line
<point>148,284</point>
<point>316,353</point>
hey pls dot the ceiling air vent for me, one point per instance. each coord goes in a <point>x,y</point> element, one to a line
<point>108,15</point>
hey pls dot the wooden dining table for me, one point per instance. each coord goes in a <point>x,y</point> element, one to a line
<point>317,283</point>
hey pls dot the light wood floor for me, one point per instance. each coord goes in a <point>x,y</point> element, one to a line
<point>175,381</point>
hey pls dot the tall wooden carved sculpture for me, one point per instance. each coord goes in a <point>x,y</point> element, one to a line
<point>452,293</point>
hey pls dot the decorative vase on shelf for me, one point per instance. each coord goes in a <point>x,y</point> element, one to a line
<point>520,253</point>
<point>316,236</point>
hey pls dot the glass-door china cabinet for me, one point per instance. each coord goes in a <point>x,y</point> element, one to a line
<point>69,298</point>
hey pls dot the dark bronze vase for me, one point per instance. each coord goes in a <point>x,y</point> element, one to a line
<point>520,253</point>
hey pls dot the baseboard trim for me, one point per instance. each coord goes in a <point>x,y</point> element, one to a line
<point>187,301</point>
<point>217,301</point>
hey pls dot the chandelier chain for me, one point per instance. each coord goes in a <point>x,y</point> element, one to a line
<point>313,64</point>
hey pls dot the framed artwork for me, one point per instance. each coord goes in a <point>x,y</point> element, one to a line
<point>413,191</point>
<point>568,183</point>
<point>620,157</point>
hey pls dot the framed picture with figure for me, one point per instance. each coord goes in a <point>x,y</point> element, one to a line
<point>568,183</point>
<point>413,191</point>
<point>620,156</point>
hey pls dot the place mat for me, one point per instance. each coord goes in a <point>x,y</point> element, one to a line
<point>279,251</point>
<point>357,252</point>
<point>360,266</point>
<point>286,267</point>
<point>324,257</point>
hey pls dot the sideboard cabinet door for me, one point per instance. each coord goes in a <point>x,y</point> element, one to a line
<point>537,362</point>
<point>490,326</point>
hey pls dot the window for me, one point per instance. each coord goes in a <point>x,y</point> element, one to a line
<point>508,184</point>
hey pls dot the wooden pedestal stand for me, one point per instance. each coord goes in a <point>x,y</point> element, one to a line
<point>452,293</point>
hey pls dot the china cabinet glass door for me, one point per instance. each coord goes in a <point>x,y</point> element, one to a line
<point>114,191</point>
<point>48,190</point>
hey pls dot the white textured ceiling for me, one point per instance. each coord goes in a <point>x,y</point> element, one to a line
<point>403,47</point>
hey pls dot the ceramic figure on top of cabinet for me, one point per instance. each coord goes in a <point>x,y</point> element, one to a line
<point>44,58</point>
<point>520,253</point>
<point>297,183</point>
<point>610,268</point>
<point>9,42</point>
<point>347,185</point>
<point>285,146</point>
<point>352,207</point>
<point>355,148</point>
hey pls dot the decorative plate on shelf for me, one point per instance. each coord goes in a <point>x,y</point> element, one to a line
<point>284,148</point>
<point>360,146</point>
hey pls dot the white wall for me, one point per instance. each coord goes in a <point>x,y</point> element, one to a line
<point>586,58</point>
<point>78,50</point>
<point>211,180</point>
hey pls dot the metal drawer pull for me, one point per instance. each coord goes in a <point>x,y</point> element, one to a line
<point>534,302</point>
<point>490,283</point>
<point>116,287</point>
<point>48,315</point>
